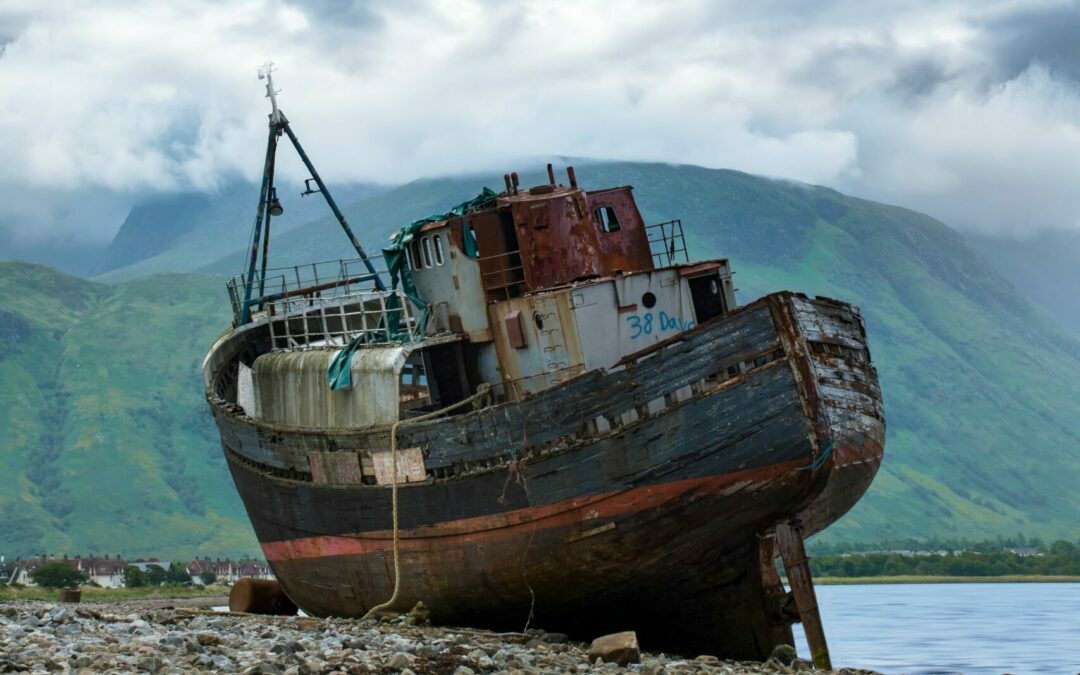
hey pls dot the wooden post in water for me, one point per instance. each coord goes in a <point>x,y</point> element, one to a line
<point>789,538</point>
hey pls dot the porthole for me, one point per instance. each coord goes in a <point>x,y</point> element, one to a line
<point>649,300</point>
<point>538,320</point>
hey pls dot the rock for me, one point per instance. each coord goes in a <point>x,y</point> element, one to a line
<point>399,661</point>
<point>420,614</point>
<point>69,629</point>
<point>619,648</point>
<point>463,670</point>
<point>785,654</point>
<point>222,663</point>
<point>207,639</point>
<point>799,665</point>
<point>556,638</point>
<point>151,664</point>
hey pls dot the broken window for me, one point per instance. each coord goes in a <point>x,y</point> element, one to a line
<point>606,218</point>
<point>427,251</point>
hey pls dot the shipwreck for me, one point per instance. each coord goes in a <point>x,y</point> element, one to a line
<point>535,408</point>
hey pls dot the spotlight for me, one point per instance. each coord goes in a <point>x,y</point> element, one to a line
<point>275,204</point>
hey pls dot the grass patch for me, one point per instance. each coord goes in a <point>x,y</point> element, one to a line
<point>90,593</point>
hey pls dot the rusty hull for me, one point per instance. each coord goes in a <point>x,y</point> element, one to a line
<point>641,498</point>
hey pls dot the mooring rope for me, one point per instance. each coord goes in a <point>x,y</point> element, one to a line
<point>481,391</point>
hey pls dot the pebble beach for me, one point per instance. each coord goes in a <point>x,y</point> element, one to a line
<point>167,637</point>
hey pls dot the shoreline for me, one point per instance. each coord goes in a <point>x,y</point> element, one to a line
<point>120,636</point>
<point>943,579</point>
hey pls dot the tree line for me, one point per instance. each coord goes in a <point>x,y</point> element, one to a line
<point>60,574</point>
<point>1061,558</point>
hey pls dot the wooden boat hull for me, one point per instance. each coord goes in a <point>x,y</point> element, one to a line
<point>536,513</point>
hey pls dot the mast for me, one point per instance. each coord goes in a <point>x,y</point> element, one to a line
<point>270,206</point>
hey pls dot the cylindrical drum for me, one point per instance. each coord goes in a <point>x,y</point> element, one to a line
<point>70,595</point>
<point>259,596</point>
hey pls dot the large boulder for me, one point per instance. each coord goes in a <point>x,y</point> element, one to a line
<point>620,648</point>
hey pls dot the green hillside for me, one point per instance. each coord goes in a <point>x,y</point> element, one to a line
<point>1043,267</point>
<point>982,391</point>
<point>105,439</point>
<point>105,442</point>
<point>180,233</point>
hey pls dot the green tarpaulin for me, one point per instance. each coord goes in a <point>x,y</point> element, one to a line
<point>339,373</point>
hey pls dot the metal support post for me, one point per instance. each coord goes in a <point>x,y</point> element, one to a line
<point>789,538</point>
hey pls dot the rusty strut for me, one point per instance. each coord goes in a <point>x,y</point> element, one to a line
<point>789,538</point>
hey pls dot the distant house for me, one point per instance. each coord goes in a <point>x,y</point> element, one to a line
<point>108,572</point>
<point>25,568</point>
<point>197,569</point>
<point>1025,551</point>
<point>228,571</point>
<point>144,563</point>
<point>7,569</point>
<point>105,572</point>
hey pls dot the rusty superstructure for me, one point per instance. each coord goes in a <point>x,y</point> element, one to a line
<point>548,414</point>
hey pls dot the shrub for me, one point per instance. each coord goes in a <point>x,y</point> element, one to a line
<point>58,575</point>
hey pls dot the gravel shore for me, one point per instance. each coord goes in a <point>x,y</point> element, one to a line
<point>133,637</point>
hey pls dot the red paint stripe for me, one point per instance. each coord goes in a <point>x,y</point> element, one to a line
<point>582,510</point>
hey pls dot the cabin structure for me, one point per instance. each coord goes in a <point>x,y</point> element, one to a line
<point>510,293</point>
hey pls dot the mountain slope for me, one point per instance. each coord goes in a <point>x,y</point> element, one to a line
<point>982,393</point>
<point>180,233</point>
<point>1044,268</point>
<point>105,442</point>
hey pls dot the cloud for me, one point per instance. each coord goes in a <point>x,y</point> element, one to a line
<point>964,109</point>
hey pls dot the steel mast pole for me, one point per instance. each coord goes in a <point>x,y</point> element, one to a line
<point>268,167</point>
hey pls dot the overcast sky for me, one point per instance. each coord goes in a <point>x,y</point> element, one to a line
<point>969,111</point>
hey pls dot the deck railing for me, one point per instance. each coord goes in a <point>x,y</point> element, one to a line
<point>374,316</point>
<point>283,289</point>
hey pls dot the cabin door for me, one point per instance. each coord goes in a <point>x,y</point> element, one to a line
<point>707,294</point>
<point>500,260</point>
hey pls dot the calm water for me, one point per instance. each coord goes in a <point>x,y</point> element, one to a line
<point>952,628</point>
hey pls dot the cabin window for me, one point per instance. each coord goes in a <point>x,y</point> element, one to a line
<point>415,248</point>
<point>427,251</point>
<point>438,249</point>
<point>606,218</point>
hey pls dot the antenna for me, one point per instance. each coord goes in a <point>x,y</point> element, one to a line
<point>266,73</point>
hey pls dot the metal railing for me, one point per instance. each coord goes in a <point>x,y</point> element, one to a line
<point>283,289</point>
<point>667,243</point>
<point>377,317</point>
